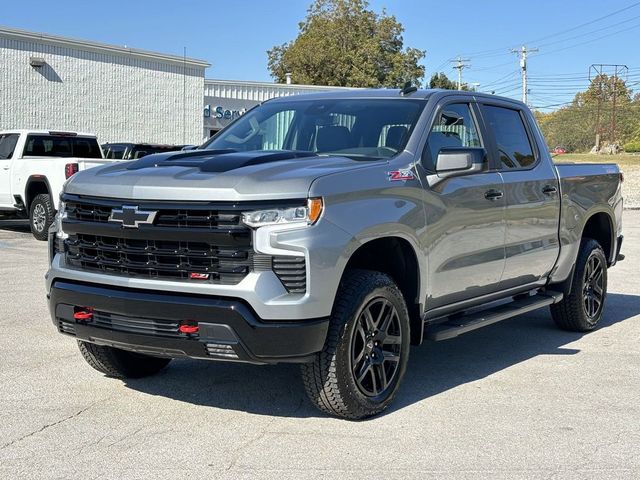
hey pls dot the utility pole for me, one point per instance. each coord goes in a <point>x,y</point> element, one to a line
<point>522,52</point>
<point>460,65</point>
<point>598,70</point>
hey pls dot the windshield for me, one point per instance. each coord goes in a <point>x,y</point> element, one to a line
<point>355,128</point>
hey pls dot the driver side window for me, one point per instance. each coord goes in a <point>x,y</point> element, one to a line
<point>454,127</point>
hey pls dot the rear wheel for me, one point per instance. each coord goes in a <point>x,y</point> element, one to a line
<point>360,369</point>
<point>581,309</point>
<point>41,214</point>
<point>117,363</point>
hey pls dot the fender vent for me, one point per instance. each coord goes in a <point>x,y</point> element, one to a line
<point>292,272</point>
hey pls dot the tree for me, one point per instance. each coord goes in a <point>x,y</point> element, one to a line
<point>591,111</point>
<point>440,80</point>
<point>343,43</point>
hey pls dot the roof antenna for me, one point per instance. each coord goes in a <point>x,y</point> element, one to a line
<point>407,89</point>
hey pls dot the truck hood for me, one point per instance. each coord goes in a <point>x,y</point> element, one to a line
<point>205,175</point>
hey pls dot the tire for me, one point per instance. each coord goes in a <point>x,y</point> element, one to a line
<point>41,214</point>
<point>331,379</point>
<point>581,309</point>
<point>117,363</point>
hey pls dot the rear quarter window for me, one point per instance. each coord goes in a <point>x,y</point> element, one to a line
<point>61,146</point>
<point>514,145</point>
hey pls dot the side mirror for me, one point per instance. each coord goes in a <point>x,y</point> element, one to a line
<point>454,162</point>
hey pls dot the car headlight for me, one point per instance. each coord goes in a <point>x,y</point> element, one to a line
<point>308,214</point>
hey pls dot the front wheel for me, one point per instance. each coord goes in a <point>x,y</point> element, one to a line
<point>359,371</point>
<point>581,309</point>
<point>41,214</point>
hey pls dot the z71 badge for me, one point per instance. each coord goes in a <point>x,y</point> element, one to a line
<point>402,175</point>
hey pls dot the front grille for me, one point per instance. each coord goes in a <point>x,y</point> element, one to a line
<point>187,241</point>
<point>167,217</point>
<point>144,326</point>
<point>292,272</point>
<point>159,258</point>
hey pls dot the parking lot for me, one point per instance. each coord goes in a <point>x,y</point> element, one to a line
<point>519,399</point>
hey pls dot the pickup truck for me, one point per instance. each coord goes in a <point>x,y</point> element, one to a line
<point>33,166</point>
<point>333,230</point>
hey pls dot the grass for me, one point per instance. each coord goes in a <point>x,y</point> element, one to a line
<point>625,161</point>
<point>629,164</point>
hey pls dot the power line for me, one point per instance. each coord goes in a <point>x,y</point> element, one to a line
<point>564,31</point>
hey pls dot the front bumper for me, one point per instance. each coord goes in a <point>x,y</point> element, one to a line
<point>147,322</point>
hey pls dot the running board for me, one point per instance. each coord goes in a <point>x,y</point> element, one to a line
<point>466,323</point>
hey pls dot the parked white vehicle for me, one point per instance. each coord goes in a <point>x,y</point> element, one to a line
<point>34,164</point>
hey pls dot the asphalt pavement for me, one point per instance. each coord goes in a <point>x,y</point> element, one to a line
<point>516,400</point>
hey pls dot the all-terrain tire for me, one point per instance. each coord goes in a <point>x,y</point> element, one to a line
<point>41,215</point>
<point>330,379</point>
<point>577,311</point>
<point>117,363</point>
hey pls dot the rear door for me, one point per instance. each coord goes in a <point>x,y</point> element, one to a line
<point>8,143</point>
<point>465,231</point>
<point>531,194</point>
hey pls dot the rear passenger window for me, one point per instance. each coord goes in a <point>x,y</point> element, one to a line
<point>454,128</point>
<point>514,146</point>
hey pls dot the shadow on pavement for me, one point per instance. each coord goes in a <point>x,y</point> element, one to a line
<point>433,368</point>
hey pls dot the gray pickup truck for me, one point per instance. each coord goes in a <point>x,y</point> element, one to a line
<point>332,230</point>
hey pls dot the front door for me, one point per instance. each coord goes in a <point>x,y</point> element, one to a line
<point>531,193</point>
<point>465,232</point>
<point>7,146</point>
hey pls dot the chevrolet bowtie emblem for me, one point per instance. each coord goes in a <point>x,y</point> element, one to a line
<point>131,217</point>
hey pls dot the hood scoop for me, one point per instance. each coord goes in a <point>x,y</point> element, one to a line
<point>216,161</point>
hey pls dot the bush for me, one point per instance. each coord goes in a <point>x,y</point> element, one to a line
<point>633,146</point>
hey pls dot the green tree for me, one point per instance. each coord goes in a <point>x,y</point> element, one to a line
<point>591,111</point>
<point>344,43</point>
<point>440,80</point>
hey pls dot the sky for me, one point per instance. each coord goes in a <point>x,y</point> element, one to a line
<point>234,35</point>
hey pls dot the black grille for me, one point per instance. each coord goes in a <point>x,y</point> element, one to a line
<point>167,217</point>
<point>292,272</point>
<point>66,327</point>
<point>145,326</point>
<point>188,241</point>
<point>159,258</point>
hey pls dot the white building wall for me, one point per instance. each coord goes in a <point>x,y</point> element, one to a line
<point>117,93</point>
<point>258,91</point>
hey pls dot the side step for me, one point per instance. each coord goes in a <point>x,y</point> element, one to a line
<point>466,323</point>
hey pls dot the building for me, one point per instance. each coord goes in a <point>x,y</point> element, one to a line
<point>119,93</point>
<point>225,100</point>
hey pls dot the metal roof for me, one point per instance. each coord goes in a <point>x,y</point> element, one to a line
<point>25,35</point>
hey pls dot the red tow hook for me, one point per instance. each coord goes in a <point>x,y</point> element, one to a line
<point>188,328</point>
<point>83,314</point>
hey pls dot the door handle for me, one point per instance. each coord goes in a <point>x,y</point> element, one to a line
<point>493,194</point>
<point>549,190</point>
<point>6,168</point>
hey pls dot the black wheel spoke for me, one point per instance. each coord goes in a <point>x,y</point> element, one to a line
<point>391,357</point>
<point>369,322</point>
<point>392,340</point>
<point>364,369</point>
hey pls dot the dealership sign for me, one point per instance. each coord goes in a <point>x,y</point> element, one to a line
<point>222,112</point>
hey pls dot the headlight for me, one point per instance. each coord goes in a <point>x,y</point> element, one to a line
<point>303,215</point>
